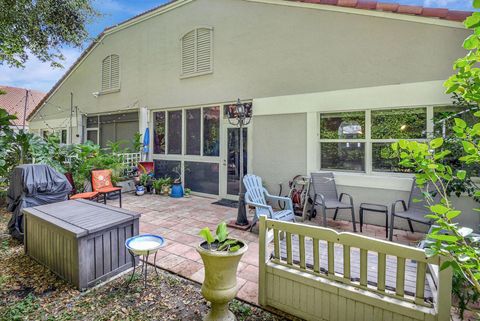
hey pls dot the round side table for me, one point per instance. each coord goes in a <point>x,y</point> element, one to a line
<point>143,246</point>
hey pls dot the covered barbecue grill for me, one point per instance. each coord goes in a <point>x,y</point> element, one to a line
<point>33,185</point>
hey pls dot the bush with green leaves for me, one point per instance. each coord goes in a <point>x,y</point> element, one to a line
<point>220,241</point>
<point>429,161</point>
<point>446,238</point>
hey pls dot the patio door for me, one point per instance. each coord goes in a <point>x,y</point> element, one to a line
<point>230,171</point>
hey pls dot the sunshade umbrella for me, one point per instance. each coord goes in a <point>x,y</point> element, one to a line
<point>146,141</point>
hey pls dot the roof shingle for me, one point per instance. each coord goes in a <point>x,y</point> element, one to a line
<point>14,102</point>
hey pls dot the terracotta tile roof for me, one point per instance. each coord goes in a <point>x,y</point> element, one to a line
<point>14,101</point>
<point>440,13</point>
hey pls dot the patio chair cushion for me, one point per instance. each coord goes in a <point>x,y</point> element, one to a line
<point>108,189</point>
<point>101,179</point>
<point>86,195</point>
<point>285,215</point>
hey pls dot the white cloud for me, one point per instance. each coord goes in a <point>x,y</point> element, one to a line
<point>452,4</point>
<point>36,74</point>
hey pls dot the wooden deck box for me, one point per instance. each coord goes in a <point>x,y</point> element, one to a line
<point>83,242</point>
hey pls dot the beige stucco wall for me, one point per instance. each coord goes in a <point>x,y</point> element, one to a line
<point>263,50</point>
<point>279,149</point>
<point>260,50</point>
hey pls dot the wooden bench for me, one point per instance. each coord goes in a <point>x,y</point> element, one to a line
<point>316,273</point>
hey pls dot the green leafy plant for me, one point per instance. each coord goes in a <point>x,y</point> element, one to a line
<point>447,238</point>
<point>137,143</point>
<point>220,241</point>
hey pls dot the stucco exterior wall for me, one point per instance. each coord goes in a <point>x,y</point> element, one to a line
<point>279,149</point>
<point>260,50</point>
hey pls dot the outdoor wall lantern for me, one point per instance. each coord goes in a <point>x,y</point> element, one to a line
<point>239,116</point>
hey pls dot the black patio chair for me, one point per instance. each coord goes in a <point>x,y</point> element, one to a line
<point>324,194</point>
<point>416,210</point>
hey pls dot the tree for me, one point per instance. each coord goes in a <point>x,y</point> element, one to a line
<point>41,27</point>
<point>447,238</point>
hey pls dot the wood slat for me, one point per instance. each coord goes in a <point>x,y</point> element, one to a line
<point>420,286</point>
<point>276,244</point>
<point>381,271</point>
<point>316,256</point>
<point>400,281</point>
<point>289,248</point>
<point>363,267</point>
<point>331,259</point>
<point>301,241</point>
<point>346,262</point>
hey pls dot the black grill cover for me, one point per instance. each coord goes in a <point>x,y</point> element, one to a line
<point>33,185</point>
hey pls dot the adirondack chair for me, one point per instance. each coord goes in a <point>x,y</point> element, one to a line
<point>415,211</point>
<point>323,191</point>
<point>256,195</point>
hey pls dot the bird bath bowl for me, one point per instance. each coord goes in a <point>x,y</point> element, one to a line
<point>144,244</point>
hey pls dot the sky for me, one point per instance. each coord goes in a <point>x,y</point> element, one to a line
<point>41,76</point>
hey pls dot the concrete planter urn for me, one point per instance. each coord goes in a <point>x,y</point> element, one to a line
<point>220,284</point>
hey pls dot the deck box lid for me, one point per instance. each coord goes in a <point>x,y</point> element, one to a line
<point>82,217</point>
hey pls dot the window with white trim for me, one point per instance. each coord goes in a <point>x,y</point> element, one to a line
<point>111,72</point>
<point>197,52</point>
<point>360,141</point>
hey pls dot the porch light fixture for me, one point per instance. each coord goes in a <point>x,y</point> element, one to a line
<point>237,116</point>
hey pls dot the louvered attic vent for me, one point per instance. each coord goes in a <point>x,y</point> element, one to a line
<point>111,73</point>
<point>197,52</point>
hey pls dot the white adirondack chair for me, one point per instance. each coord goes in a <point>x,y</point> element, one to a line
<point>256,195</point>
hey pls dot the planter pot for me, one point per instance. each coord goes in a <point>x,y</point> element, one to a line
<point>220,284</point>
<point>177,191</point>
<point>165,190</point>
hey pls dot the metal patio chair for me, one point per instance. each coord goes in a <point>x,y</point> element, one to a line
<point>323,191</point>
<point>415,211</point>
<point>256,195</point>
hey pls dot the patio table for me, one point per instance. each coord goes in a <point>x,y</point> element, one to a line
<point>377,208</point>
<point>81,241</point>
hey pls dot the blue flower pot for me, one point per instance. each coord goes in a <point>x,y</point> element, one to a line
<point>177,190</point>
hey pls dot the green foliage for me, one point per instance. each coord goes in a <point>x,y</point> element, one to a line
<point>447,238</point>
<point>161,182</point>
<point>137,142</point>
<point>398,124</point>
<point>220,241</point>
<point>18,310</point>
<point>41,28</point>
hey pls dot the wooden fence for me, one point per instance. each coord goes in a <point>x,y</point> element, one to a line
<point>303,277</point>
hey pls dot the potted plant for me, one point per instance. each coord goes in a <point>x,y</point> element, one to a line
<point>220,255</point>
<point>187,192</point>
<point>157,185</point>
<point>166,183</point>
<point>146,181</point>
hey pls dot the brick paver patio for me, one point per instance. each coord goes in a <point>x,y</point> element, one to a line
<point>180,220</point>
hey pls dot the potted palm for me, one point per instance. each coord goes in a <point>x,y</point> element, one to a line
<point>220,255</point>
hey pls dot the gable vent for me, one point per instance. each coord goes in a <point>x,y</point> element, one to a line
<point>111,72</point>
<point>197,52</point>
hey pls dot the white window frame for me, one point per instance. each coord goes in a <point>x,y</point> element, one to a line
<point>184,157</point>
<point>196,72</point>
<point>110,88</point>
<point>368,140</point>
